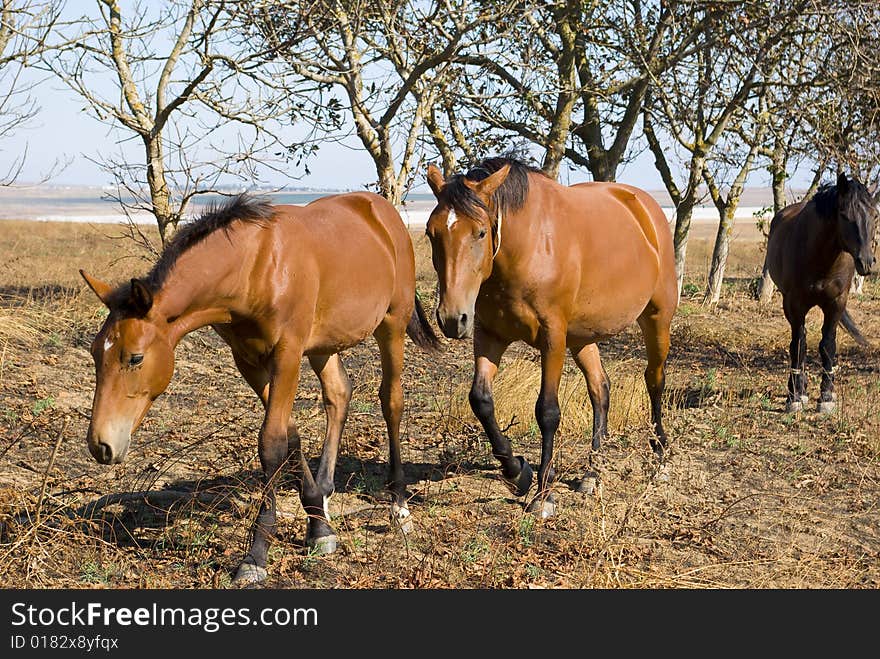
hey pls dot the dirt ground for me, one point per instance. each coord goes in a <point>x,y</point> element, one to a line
<point>756,498</point>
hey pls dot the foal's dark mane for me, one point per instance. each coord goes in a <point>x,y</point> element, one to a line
<point>244,207</point>
<point>509,197</point>
<point>855,203</point>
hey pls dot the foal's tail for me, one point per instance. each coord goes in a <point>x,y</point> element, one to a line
<point>850,326</point>
<point>420,330</point>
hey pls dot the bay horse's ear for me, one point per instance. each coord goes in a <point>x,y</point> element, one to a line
<point>435,179</point>
<point>842,183</point>
<point>491,183</point>
<point>100,288</point>
<point>141,298</point>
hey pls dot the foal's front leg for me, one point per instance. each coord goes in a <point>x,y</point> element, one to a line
<point>488,349</point>
<point>548,415</point>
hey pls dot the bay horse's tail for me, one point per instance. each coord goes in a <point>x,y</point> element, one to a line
<point>420,330</point>
<point>850,326</point>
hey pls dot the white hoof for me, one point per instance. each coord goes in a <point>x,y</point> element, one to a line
<point>826,406</point>
<point>663,473</point>
<point>542,509</point>
<point>326,544</point>
<point>793,406</point>
<point>401,518</point>
<point>249,573</point>
<point>589,485</point>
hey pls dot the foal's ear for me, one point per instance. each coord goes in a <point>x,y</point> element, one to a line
<point>491,183</point>
<point>435,179</point>
<point>140,298</point>
<point>100,288</point>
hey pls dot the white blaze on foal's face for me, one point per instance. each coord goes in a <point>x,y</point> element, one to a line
<point>451,218</point>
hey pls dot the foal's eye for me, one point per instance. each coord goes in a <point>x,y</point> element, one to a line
<point>135,360</point>
<point>482,234</point>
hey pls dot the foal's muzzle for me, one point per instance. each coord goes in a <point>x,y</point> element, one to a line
<point>109,448</point>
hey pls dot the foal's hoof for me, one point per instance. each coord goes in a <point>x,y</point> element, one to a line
<point>826,406</point>
<point>542,508</point>
<point>401,519</point>
<point>249,573</point>
<point>326,544</point>
<point>589,484</point>
<point>520,486</point>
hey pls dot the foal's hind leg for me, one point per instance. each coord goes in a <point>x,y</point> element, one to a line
<point>797,383</point>
<point>599,388</point>
<point>389,335</point>
<point>336,396</point>
<point>828,354</point>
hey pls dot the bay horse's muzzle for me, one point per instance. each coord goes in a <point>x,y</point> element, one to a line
<point>865,266</point>
<point>455,325</point>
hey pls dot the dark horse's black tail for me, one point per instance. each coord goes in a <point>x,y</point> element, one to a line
<point>850,326</point>
<point>420,330</point>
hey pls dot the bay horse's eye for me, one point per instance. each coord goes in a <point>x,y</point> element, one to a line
<point>135,360</point>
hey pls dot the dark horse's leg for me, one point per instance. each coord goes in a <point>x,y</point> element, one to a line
<point>336,396</point>
<point>654,323</point>
<point>548,415</point>
<point>488,349</point>
<point>828,354</point>
<point>797,383</point>
<point>389,335</point>
<point>599,388</point>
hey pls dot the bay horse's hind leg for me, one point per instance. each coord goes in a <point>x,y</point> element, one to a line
<point>797,349</point>
<point>654,323</point>
<point>599,387</point>
<point>828,354</point>
<point>390,337</point>
<point>336,396</point>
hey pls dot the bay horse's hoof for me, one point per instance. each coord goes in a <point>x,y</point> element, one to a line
<point>542,508</point>
<point>326,544</point>
<point>249,573</point>
<point>589,484</point>
<point>523,482</point>
<point>400,518</point>
<point>826,406</point>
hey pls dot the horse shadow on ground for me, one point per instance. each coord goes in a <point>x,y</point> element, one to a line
<point>143,518</point>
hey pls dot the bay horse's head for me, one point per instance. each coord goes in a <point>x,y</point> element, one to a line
<point>465,234</point>
<point>856,220</point>
<point>134,362</point>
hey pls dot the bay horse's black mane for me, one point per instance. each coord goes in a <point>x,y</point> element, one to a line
<point>509,197</point>
<point>242,207</point>
<point>855,203</point>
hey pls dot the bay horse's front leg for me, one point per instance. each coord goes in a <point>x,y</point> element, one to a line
<point>488,349</point>
<point>599,387</point>
<point>548,415</point>
<point>828,354</point>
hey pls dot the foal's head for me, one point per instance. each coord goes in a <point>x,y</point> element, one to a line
<point>464,234</point>
<point>856,218</point>
<point>134,362</point>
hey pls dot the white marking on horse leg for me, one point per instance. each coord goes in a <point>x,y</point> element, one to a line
<point>327,508</point>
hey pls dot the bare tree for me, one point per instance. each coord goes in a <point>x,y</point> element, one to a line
<point>174,77</point>
<point>24,28</point>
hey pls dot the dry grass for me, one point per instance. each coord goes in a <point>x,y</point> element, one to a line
<point>756,498</point>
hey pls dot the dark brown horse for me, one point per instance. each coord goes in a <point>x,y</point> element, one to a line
<point>276,283</point>
<point>520,257</point>
<point>813,249</point>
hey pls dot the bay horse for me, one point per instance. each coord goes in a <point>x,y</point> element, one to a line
<point>277,283</point>
<point>521,257</point>
<point>813,249</point>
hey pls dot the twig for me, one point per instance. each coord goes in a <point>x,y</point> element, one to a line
<point>49,469</point>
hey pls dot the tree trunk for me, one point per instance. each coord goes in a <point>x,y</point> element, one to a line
<point>160,196</point>
<point>719,254</point>
<point>777,171</point>
<point>682,229</point>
